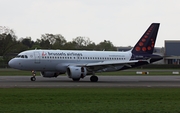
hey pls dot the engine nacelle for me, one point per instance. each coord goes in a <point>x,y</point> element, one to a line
<point>48,74</point>
<point>76,72</point>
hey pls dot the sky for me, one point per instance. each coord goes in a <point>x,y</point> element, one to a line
<point>120,21</point>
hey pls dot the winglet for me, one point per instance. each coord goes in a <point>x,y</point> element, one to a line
<point>146,43</point>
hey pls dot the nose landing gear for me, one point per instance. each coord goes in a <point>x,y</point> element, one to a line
<point>33,78</point>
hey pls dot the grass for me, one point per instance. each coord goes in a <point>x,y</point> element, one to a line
<point>14,72</point>
<point>90,100</point>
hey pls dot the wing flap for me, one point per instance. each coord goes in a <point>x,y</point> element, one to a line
<point>103,63</point>
<point>109,64</point>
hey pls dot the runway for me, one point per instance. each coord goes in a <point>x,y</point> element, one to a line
<point>104,81</point>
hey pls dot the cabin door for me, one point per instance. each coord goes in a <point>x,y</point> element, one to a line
<point>37,57</point>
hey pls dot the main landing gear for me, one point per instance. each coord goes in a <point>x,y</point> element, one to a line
<point>33,78</point>
<point>94,78</point>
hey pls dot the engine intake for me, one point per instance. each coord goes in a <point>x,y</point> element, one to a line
<point>76,72</point>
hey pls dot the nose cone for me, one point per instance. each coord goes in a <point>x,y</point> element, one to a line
<point>12,63</point>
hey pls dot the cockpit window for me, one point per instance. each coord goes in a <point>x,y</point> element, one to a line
<point>18,56</point>
<point>21,56</point>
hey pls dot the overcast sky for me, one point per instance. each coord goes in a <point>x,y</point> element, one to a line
<point>120,21</point>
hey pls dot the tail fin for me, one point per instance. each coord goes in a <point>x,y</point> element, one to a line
<point>146,43</point>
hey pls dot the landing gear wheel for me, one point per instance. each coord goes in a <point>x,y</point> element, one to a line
<point>33,78</point>
<point>76,79</point>
<point>94,78</point>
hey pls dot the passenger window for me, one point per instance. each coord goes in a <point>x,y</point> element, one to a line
<point>22,56</point>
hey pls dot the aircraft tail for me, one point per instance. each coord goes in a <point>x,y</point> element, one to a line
<point>146,43</point>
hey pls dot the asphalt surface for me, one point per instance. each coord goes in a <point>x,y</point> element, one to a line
<point>104,81</point>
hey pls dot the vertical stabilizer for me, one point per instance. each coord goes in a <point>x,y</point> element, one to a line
<point>146,43</point>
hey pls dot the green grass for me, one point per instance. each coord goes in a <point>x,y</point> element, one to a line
<point>90,100</point>
<point>14,72</point>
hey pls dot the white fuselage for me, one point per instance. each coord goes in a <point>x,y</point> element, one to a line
<point>58,60</point>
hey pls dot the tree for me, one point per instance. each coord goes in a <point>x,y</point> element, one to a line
<point>8,43</point>
<point>70,46</point>
<point>106,45</point>
<point>7,40</point>
<point>51,41</point>
<point>5,30</point>
<point>60,41</point>
<point>27,42</point>
<point>82,42</point>
<point>91,46</point>
<point>44,42</point>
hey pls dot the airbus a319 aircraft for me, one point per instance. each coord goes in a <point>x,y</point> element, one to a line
<point>79,64</point>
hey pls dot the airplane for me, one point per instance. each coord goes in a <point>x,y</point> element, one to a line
<point>78,64</point>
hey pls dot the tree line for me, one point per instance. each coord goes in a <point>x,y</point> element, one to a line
<point>11,45</point>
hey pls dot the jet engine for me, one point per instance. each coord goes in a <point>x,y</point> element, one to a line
<point>48,74</point>
<point>76,72</point>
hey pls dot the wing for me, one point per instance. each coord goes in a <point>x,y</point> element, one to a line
<point>109,64</point>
